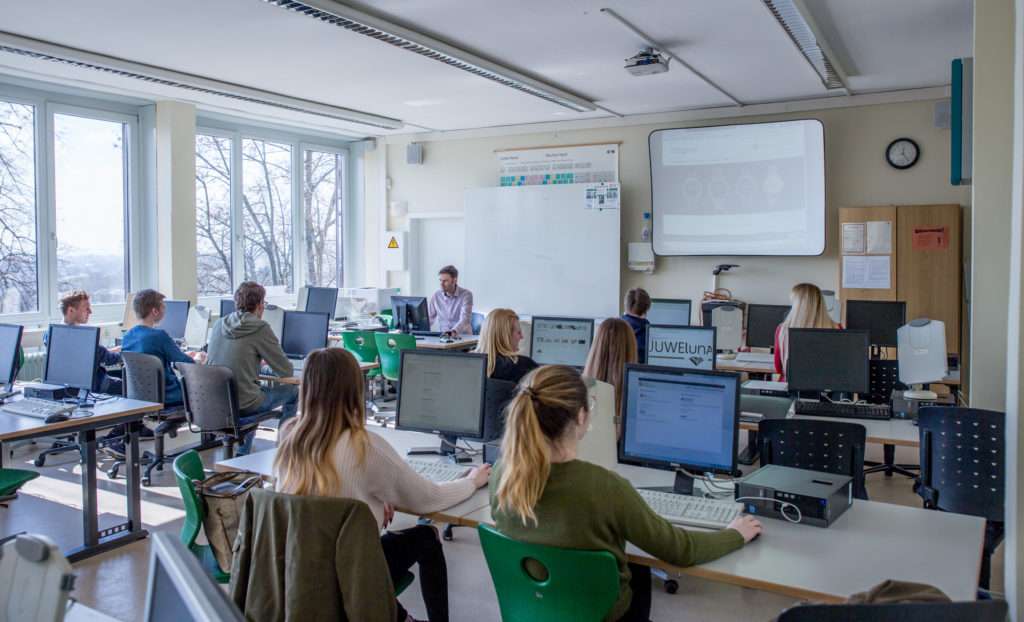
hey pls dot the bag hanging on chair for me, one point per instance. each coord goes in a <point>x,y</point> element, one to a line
<point>224,496</point>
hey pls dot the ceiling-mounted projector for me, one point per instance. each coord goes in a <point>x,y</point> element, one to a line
<point>647,62</point>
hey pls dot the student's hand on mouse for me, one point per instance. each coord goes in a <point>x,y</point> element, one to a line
<point>747,526</point>
<point>199,357</point>
<point>480,475</point>
<point>389,514</point>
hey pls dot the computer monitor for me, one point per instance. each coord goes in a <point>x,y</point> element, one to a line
<point>71,356</point>
<point>561,340</point>
<point>227,306</point>
<point>302,332</point>
<point>175,318</point>
<point>685,347</point>
<point>678,419</point>
<point>822,359</point>
<point>10,344</point>
<point>321,300</point>
<point>881,318</point>
<point>180,589</point>
<point>921,350</point>
<point>442,393</point>
<point>669,312</point>
<point>762,320</point>
<point>410,313</point>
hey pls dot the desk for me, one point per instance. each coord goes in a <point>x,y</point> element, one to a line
<point>105,414</point>
<point>297,381</point>
<point>951,380</point>
<point>880,432</point>
<point>871,542</point>
<point>464,344</point>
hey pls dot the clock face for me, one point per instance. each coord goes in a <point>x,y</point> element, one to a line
<point>902,153</point>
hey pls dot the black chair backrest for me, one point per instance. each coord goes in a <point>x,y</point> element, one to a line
<point>826,446</point>
<point>980,611</point>
<point>497,395</point>
<point>211,398</point>
<point>963,458</point>
<point>143,377</point>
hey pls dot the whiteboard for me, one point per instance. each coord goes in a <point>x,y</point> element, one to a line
<point>434,241</point>
<point>539,251</point>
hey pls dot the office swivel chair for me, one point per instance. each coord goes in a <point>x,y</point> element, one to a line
<point>950,438</point>
<point>980,611</point>
<point>826,446</point>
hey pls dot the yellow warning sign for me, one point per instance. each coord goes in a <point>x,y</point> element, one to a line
<point>393,243</point>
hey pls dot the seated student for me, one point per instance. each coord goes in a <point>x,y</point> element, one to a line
<point>637,304</point>
<point>327,450</point>
<point>540,493</point>
<point>614,346</point>
<point>808,310</point>
<point>144,337</point>
<point>500,342</point>
<point>76,309</point>
<point>241,341</point>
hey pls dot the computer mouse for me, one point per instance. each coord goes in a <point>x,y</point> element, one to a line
<point>57,418</point>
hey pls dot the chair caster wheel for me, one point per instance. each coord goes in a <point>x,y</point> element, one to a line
<point>671,586</point>
<point>112,473</point>
<point>39,461</point>
<point>147,482</point>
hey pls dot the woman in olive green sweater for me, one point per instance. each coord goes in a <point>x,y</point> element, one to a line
<point>541,493</point>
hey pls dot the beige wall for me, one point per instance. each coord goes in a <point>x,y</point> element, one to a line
<point>993,153</point>
<point>856,174</point>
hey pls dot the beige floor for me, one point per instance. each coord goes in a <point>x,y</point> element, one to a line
<point>115,583</point>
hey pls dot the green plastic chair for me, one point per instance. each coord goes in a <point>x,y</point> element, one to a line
<point>579,585</point>
<point>390,346</point>
<point>363,346</point>
<point>13,479</point>
<point>188,467</point>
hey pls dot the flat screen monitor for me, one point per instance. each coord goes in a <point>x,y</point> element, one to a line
<point>10,344</point>
<point>71,356</point>
<point>302,332</point>
<point>227,306</point>
<point>180,590</point>
<point>668,312</point>
<point>881,318</point>
<point>762,320</point>
<point>677,418</point>
<point>685,347</point>
<point>410,313</point>
<point>321,300</point>
<point>175,318</point>
<point>561,340</point>
<point>442,393</point>
<point>822,359</point>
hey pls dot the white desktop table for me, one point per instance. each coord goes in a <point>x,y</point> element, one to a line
<point>871,542</point>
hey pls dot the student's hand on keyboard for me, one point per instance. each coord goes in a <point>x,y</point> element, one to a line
<point>748,527</point>
<point>198,357</point>
<point>480,475</point>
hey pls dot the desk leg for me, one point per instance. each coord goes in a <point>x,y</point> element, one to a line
<point>90,505</point>
<point>133,480</point>
<point>749,454</point>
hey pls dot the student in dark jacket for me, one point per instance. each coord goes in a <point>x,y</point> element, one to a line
<point>499,340</point>
<point>637,304</point>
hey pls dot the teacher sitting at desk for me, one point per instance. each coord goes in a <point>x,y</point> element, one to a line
<point>451,307</point>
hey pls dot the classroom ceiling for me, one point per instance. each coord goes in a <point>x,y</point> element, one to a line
<point>880,44</point>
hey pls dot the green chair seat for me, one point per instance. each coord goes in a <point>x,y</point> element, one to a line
<point>13,479</point>
<point>389,347</point>
<point>188,467</point>
<point>573,584</point>
<point>361,344</point>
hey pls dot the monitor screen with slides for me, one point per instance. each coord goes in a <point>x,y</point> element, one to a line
<point>686,347</point>
<point>669,312</point>
<point>442,392</point>
<point>561,340</point>
<point>752,189</point>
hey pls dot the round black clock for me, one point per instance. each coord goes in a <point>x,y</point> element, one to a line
<point>902,153</point>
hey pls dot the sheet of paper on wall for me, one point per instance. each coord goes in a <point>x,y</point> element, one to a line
<point>866,272</point>
<point>879,238</point>
<point>854,238</point>
<point>602,196</point>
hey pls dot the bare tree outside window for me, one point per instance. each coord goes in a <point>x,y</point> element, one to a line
<point>19,292</point>
<point>322,207</point>
<point>267,213</point>
<point>213,215</point>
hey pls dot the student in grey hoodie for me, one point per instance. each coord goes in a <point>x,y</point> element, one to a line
<point>244,342</point>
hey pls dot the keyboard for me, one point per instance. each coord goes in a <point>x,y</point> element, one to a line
<point>691,511</point>
<point>764,358</point>
<point>844,410</point>
<point>425,333</point>
<point>36,408</point>
<point>437,472</point>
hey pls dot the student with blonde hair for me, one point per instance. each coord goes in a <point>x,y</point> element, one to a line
<point>540,493</point>
<point>807,310</point>
<point>326,450</point>
<point>500,340</point>
<point>614,347</point>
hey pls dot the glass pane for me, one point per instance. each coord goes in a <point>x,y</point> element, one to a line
<point>267,214</point>
<point>321,195</point>
<point>90,199</point>
<point>19,292</point>
<point>213,215</point>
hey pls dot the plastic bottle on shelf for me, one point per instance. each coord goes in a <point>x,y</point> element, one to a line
<point>645,233</point>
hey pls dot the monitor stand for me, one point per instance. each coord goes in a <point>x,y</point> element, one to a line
<point>447,448</point>
<point>682,486</point>
<point>8,392</point>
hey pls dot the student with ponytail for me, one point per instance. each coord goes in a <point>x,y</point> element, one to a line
<point>541,493</point>
<point>327,450</point>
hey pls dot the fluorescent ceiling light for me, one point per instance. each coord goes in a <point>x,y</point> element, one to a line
<point>368,25</point>
<point>44,50</point>
<point>793,17</point>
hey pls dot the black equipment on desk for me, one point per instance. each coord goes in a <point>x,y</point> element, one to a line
<point>72,352</point>
<point>762,321</point>
<point>846,410</point>
<point>820,497</point>
<point>410,313</point>
<point>822,359</point>
<point>10,349</point>
<point>881,318</point>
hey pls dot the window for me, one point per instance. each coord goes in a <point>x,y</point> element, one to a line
<point>213,215</point>
<point>19,279</point>
<point>322,188</point>
<point>267,214</point>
